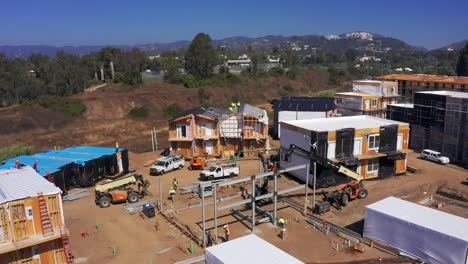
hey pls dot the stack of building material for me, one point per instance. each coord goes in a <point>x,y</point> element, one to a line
<point>416,230</point>
<point>75,166</point>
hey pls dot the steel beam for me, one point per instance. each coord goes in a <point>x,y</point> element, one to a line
<point>292,189</point>
<point>293,168</point>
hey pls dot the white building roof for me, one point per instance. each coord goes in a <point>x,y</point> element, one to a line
<point>448,93</point>
<point>335,123</point>
<point>426,217</point>
<point>248,249</point>
<point>403,105</point>
<point>16,184</point>
<point>353,93</point>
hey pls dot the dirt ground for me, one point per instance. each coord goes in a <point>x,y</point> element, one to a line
<point>137,240</point>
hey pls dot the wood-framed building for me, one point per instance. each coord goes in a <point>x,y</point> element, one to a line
<point>32,222</point>
<point>218,132</point>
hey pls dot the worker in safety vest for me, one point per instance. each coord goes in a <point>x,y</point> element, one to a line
<point>17,164</point>
<point>281,222</point>
<point>174,184</point>
<point>209,238</point>
<point>172,194</point>
<point>116,146</point>
<point>227,232</point>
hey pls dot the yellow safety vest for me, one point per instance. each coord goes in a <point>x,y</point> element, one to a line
<point>281,221</point>
<point>175,182</point>
<point>172,192</point>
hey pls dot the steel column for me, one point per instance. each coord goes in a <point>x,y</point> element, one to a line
<point>315,180</point>
<point>275,196</point>
<point>307,188</point>
<point>253,203</point>
<point>215,187</point>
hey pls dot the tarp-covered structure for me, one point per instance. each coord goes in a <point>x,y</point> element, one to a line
<point>248,249</point>
<point>419,231</point>
<point>75,166</point>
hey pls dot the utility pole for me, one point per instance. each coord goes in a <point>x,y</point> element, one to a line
<point>306,188</point>
<point>112,69</point>
<point>315,179</point>
<point>155,139</point>
<point>202,189</point>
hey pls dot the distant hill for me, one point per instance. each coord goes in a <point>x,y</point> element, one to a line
<point>456,45</point>
<point>331,43</point>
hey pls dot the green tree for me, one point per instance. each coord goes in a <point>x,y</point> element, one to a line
<point>462,64</point>
<point>200,57</point>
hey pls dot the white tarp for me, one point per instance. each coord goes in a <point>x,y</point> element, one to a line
<point>248,249</point>
<point>419,231</point>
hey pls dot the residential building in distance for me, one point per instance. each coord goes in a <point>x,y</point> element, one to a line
<point>373,147</point>
<point>300,108</point>
<point>218,132</point>
<point>33,228</point>
<point>408,84</point>
<point>368,97</point>
<point>439,121</point>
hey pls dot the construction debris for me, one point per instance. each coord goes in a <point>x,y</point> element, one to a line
<point>164,250</point>
<point>76,195</point>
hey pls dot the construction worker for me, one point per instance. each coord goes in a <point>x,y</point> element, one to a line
<point>281,222</point>
<point>116,146</point>
<point>227,232</point>
<point>174,184</point>
<point>35,165</point>
<point>172,194</point>
<point>209,238</point>
<point>17,164</point>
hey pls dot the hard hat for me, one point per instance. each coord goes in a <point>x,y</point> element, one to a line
<point>225,226</point>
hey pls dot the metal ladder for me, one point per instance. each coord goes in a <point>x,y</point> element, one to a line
<point>66,246</point>
<point>46,224</point>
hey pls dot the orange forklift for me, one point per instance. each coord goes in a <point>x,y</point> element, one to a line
<point>198,162</point>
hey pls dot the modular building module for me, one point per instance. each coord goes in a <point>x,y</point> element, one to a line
<point>373,147</point>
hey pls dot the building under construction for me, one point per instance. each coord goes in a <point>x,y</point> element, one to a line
<point>32,222</point>
<point>439,121</point>
<point>75,166</point>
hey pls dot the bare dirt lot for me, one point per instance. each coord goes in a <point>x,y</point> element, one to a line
<point>137,240</point>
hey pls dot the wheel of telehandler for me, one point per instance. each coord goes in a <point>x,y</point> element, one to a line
<point>363,193</point>
<point>104,202</point>
<point>132,197</point>
<point>344,199</point>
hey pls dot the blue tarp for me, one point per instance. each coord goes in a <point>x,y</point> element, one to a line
<point>51,161</point>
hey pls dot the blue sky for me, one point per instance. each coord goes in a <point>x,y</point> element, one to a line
<point>428,23</point>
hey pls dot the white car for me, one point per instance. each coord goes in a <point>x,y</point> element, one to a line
<point>435,156</point>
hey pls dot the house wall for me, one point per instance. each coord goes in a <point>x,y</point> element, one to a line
<point>21,223</point>
<point>301,137</point>
<point>48,252</point>
<point>188,121</point>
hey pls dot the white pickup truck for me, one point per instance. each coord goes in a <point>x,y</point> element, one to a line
<point>219,171</point>
<point>167,164</point>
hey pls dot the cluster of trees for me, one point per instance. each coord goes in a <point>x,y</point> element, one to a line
<point>24,79</point>
<point>462,63</point>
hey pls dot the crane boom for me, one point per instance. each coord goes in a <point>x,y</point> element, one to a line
<point>322,161</point>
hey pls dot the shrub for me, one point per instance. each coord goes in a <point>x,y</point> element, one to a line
<point>171,110</point>
<point>130,78</point>
<point>138,112</point>
<point>292,73</point>
<point>276,72</point>
<point>326,93</point>
<point>70,106</point>
<point>14,151</point>
<point>190,81</point>
<point>288,88</point>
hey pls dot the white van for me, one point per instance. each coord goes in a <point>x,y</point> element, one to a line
<point>428,154</point>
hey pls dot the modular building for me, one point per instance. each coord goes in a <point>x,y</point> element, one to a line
<point>75,166</point>
<point>419,231</point>
<point>300,108</point>
<point>32,222</point>
<point>248,249</point>
<point>373,147</point>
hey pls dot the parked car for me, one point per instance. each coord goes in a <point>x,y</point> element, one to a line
<point>219,171</point>
<point>435,156</point>
<point>167,164</point>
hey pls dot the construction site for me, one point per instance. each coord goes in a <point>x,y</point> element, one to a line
<point>332,190</point>
<point>119,235</point>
